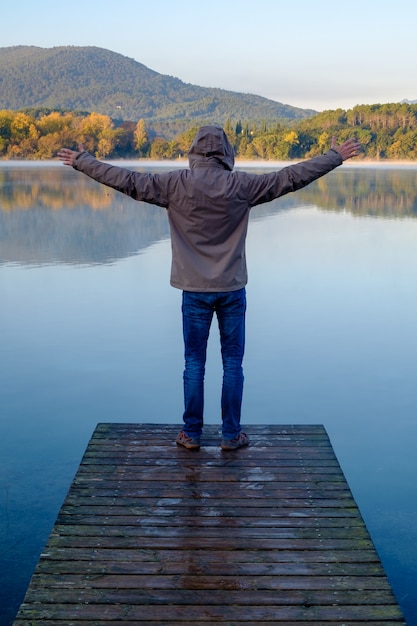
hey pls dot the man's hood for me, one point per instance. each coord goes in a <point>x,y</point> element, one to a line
<point>211,145</point>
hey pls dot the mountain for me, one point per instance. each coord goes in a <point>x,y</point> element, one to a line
<point>95,79</point>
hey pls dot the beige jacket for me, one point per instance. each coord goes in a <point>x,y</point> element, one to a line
<point>208,205</point>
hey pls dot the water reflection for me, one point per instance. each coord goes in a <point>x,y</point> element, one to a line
<point>54,214</point>
<point>373,192</point>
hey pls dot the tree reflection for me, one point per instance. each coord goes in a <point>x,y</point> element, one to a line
<point>53,214</point>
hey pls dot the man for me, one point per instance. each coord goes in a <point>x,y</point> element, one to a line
<point>208,210</point>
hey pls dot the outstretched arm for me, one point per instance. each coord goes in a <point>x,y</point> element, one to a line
<point>147,187</point>
<point>348,149</point>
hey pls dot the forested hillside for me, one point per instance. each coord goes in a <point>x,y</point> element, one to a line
<point>387,131</point>
<point>93,79</point>
<point>118,108</point>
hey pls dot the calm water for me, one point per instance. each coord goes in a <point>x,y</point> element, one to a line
<point>90,331</point>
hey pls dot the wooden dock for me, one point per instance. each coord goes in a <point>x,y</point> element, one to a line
<point>151,533</point>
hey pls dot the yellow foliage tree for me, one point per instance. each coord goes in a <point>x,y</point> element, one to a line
<point>20,126</point>
<point>97,134</point>
<point>140,136</point>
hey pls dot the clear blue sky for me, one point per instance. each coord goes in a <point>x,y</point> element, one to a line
<point>319,55</point>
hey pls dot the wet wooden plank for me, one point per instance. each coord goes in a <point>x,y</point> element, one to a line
<point>151,533</point>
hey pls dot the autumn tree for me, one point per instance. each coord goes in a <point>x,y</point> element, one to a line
<point>141,138</point>
<point>56,130</point>
<point>185,140</point>
<point>23,136</point>
<point>162,149</point>
<point>97,134</point>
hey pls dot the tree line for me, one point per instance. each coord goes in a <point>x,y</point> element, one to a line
<point>387,131</point>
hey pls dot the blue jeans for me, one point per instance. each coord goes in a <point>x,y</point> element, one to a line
<point>197,314</point>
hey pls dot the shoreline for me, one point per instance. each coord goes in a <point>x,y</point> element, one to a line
<point>239,163</point>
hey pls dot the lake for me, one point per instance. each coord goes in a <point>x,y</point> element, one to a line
<point>90,332</point>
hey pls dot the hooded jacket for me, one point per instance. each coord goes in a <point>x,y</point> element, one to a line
<point>208,205</point>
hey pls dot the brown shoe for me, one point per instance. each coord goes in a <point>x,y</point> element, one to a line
<point>238,442</point>
<point>191,443</point>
